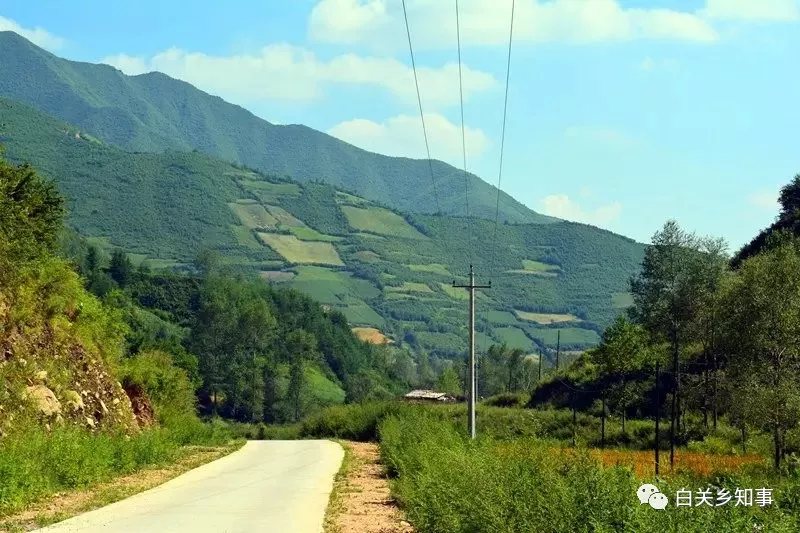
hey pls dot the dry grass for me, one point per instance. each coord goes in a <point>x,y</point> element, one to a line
<point>693,463</point>
<point>371,335</point>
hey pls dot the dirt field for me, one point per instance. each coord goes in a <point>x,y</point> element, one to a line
<point>372,335</point>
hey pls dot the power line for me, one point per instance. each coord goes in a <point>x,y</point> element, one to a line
<point>463,140</point>
<point>421,115</point>
<point>502,140</point>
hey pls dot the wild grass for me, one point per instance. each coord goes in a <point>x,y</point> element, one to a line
<point>35,463</point>
<point>448,483</point>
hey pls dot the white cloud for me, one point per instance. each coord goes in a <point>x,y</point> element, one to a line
<point>753,10</point>
<point>561,206</point>
<point>402,136</point>
<point>606,136</point>
<point>287,72</point>
<point>37,36</point>
<point>766,200</point>
<point>380,24</point>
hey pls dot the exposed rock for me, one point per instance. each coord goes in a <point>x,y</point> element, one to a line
<point>44,399</point>
<point>74,400</point>
<point>140,403</point>
<point>90,422</point>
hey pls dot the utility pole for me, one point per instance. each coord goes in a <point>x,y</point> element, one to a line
<point>540,364</point>
<point>558,350</point>
<point>471,362</point>
<point>658,414</point>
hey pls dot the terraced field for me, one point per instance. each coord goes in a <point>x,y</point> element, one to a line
<point>546,318</point>
<point>381,221</point>
<point>253,215</point>
<point>296,251</point>
<point>537,268</point>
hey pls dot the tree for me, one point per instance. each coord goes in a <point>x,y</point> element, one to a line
<point>762,320</point>
<point>120,269</point>
<point>301,346</point>
<point>31,217</point>
<point>623,349</point>
<point>449,381</point>
<point>665,297</point>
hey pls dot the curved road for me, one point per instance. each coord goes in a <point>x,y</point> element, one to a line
<point>270,486</point>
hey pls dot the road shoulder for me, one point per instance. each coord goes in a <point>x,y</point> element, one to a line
<point>361,501</point>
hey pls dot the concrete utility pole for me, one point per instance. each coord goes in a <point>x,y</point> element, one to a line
<point>558,350</point>
<point>471,364</point>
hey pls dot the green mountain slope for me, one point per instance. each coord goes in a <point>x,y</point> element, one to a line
<point>153,112</point>
<point>380,267</point>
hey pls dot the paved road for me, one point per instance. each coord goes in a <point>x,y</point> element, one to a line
<point>269,486</point>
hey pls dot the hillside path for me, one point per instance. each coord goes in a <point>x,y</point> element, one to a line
<point>270,486</point>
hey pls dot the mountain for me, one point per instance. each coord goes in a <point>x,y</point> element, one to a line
<point>153,112</point>
<point>383,268</point>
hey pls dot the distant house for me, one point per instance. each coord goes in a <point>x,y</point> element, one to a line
<point>429,396</point>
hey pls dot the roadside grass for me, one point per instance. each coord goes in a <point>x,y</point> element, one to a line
<point>446,482</point>
<point>341,486</point>
<point>64,505</point>
<point>35,464</point>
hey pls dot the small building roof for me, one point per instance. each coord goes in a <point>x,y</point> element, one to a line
<point>427,395</point>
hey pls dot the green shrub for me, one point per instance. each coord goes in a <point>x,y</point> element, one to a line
<point>168,386</point>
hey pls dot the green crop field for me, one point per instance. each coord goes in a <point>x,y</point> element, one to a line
<point>284,218</point>
<point>537,268</point>
<point>253,216</point>
<point>308,234</point>
<point>500,317</point>
<point>276,275</point>
<point>410,286</point>
<point>363,315</point>
<point>296,251</point>
<point>433,268</point>
<point>569,336</point>
<point>546,318</point>
<point>245,237</point>
<point>379,220</point>
<point>514,338</point>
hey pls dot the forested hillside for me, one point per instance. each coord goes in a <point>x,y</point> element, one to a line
<point>381,268</point>
<point>153,113</point>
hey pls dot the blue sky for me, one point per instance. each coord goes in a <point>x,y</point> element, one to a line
<point>622,113</point>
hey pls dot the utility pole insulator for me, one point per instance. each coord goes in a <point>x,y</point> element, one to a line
<point>471,381</point>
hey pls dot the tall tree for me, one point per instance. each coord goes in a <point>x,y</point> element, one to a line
<point>762,307</point>
<point>622,350</point>
<point>665,300</point>
<point>120,268</point>
<point>301,346</point>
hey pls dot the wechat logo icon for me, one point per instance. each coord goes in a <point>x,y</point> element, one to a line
<point>650,494</point>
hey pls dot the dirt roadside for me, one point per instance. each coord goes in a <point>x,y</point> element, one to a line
<point>362,500</point>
